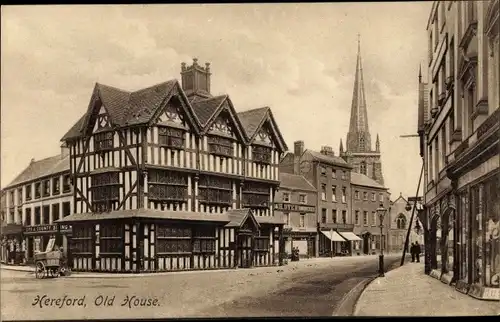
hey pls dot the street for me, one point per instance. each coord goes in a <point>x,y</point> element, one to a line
<point>312,287</point>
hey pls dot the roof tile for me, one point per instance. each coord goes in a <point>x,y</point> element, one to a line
<point>42,168</point>
<point>294,181</point>
<point>362,180</point>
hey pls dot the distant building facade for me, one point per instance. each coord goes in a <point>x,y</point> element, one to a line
<point>401,211</point>
<point>41,194</point>
<point>331,176</point>
<point>459,129</point>
<point>368,195</point>
<point>295,202</point>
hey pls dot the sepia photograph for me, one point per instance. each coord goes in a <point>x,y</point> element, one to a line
<point>271,160</point>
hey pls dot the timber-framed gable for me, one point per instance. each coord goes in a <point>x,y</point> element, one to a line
<point>161,192</point>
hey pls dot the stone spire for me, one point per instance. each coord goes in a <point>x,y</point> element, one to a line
<point>358,137</point>
<point>377,145</point>
<point>420,73</point>
<point>341,148</point>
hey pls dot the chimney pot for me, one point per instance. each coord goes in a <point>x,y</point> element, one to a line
<point>327,150</point>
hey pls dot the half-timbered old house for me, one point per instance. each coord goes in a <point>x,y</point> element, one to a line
<point>173,178</point>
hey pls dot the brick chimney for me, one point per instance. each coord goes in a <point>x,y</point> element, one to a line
<point>298,148</point>
<point>196,80</point>
<point>327,150</point>
<point>64,151</point>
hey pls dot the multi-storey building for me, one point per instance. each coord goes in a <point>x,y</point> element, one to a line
<point>359,153</point>
<point>296,202</point>
<point>35,199</point>
<point>400,214</point>
<point>459,128</point>
<point>172,178</point>
<point>367,196</point>
<point>330,175</point>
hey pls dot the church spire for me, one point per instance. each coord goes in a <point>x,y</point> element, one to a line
<point>359,134</point>
<point>377,144</point>
<point>420,73</point>
<point>341,148</point>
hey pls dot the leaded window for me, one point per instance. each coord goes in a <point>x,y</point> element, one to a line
<point>81,242</point>
<point>215,190</point>
<point>220,146</point>
<point>105,191</point>
<point>204,240</point>
<point>255,195</point>
<point>170,137</point>
<point>103,141</point>
<point>261,154</point>
<point>173,239</point>
<point>261,243</point>
<point>167,186</point>
<point>111,238</point>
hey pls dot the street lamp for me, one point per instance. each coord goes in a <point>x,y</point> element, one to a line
<point>381,213</point>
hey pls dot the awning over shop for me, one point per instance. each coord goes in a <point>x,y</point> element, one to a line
<point>11,229</point>
<point>349,236</point>
<point>333,236</point>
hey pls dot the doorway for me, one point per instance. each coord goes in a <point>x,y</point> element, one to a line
<point>366,242</point>
<point>245,254</point>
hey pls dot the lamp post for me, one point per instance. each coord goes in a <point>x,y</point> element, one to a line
<point>381,214</point>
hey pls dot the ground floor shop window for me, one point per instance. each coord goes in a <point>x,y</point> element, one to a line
<point>492,231</point>
<point>204,240</point>
<point>111,238</point>
<point>82,239</point>
<point>173,239</point>
<point>463,234</point>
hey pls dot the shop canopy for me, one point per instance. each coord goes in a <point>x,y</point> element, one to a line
<point>333,235</point>
<point>349,236</point>
<point>11,229</point>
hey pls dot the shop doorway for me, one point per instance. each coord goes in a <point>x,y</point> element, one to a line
<point>366,242</point>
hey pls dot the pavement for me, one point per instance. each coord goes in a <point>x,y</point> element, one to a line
<point>408,291</point>
<point>314,287</point>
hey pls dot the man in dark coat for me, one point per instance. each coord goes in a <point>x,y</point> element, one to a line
<point>418,250</point>
<point>412,252</point>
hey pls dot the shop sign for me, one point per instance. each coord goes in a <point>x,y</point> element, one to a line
<point>294,207</point>
<point>54,228</point>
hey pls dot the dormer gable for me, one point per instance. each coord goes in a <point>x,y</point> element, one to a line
<point>224,122</point>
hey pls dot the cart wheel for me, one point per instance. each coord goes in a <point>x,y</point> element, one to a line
<point>39,270</point>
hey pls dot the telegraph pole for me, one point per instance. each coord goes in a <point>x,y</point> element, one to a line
<point>407,240</point>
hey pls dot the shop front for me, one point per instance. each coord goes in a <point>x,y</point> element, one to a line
<point>12,246</point>
<point>474,171</point>
<point>146,240</point>
<point>338,239</point>
<point>37,237</point>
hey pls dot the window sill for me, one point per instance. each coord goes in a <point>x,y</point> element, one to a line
<point>456,136</point>
<point>481,108</point>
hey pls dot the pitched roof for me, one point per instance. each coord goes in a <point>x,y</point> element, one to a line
<point>238,216</point>
<point>329,159</point>
<point>42,168</point>
<point>125,108</point>
<point>205,109</point>
<point>252,119</point>
<point>295,181</point>
<point>362,180</point>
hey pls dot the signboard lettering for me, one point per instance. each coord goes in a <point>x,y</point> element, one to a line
<point>54,228</point>
<point>294,207</point>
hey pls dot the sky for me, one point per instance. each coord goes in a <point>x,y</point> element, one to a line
<point>297,58</point>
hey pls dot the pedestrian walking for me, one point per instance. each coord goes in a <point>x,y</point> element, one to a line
<point>412,252</point>
<point>418,250</point>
